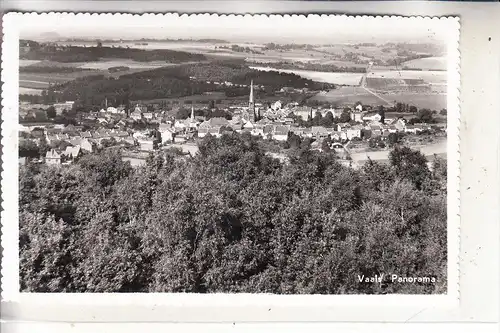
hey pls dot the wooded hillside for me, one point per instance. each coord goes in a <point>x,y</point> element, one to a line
<point>232,220</point>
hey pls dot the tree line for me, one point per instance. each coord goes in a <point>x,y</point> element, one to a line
<point>314,67</point>
<point>232,219</point>
<point>90,91</point>
<point>94,53</point>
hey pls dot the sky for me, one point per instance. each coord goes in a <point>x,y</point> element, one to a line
<point>256,29</point>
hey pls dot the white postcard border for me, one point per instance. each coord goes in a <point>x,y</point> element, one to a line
<point>303,304</point>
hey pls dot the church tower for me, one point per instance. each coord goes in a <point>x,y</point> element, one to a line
<point>251,104</point>
<point>192,113</point>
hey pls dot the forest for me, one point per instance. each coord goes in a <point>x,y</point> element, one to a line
<point>48,69</point>
<point>232,219</point>
<point>95,53</point>
<point>90,91</point>
<point>313,67</point>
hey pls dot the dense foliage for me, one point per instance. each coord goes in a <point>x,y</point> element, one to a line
<point>85,54</point>
<point>232,219</point>
<point>314,67</point>
<point>175,81</point>
<point>51,69</point>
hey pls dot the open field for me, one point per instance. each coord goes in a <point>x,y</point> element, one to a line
<point>29,91</point>
<point>42,80</point>
<point>45,78</point>
<point>432,63</point>
<point>438,148</point>
<point>33,83</point>
<point>351,95</point>
<point>339,54</point>
<point>348,96</point>
<point>352,79</point>
<point>427,76</point>
<point>104,64</point>
<point>24,62</point>
<point>429,101</point>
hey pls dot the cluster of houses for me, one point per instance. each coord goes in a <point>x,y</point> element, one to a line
<point>277,122</point>
<point>362,124</point>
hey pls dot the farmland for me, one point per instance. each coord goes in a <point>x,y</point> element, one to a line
<point>30,91</point>
<point>348,96</point>
<point>427,76</point>
<point>338,54</point>
<point>40,80</point>
<point>431,63</point>
<point>384,85</point>
<point>360,157</point>
<point>352,79</point>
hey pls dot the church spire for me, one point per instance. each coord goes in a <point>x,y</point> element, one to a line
<point>192,113</point>
<point>250,100</point>
<point>251,105</point>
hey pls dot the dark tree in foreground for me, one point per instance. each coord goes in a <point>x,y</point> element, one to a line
<point>232,219</point>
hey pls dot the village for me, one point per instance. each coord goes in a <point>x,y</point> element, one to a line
<point>343,128</point>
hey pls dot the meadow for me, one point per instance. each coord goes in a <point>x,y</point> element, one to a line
<point>438,148</point>
<point>351,79</point>
<point>41,80</point>
<point>422,101</point>
<point>104,64</point>
<point>427,76</point>
<point>350,95</point>
<point>29,91</point>
<point>347,96</point>
<point>431,63</point>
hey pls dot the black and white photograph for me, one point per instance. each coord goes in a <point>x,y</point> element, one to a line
<point>236,155</point>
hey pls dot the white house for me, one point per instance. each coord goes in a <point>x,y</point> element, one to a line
<point>167,135</point>
<point>353,132</point>
<point>180,125</point>
<point>280,132</point>
<point>372,117</point>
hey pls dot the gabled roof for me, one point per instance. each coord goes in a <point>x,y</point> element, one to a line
<point>72,151</point>
<point>52,154</point>
<point>214,130</point>
<point>248,124</point>
<point>218,121</point>
<point>318,130</point>
<point>302,109</point>
<point>76,141</point>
